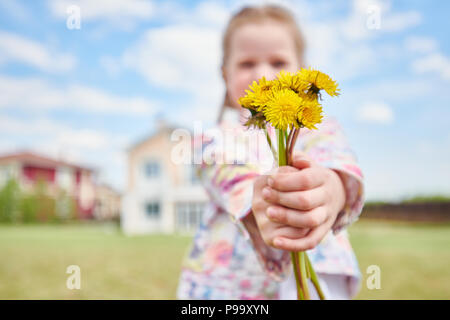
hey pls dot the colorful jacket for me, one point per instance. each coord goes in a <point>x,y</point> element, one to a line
<point>228,260</point>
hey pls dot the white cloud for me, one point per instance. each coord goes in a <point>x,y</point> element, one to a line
<point>399,90</point>
<point>401,21</point>
<point>435,62</point>
<point>184,59</point>
<point>364,13</point>
<point>15,48</point>
<point>39,127</point>
<point>211,13</point>
<point>184,56</point>
<point>123,14</point>
<point>37,94</point>
<point>370,18</point>
<point>177,57</point>
<point>420,44</point>
<point>376,112</point>
<point>60,134</point>
<point>85,138</point>
<point>344,46</point>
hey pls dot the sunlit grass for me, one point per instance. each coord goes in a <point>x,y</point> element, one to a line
<point>34,259</point>
<point>413,258</point>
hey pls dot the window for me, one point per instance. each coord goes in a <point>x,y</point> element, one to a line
<point>152,209</point>
<point>188,215</point>
<point>192,174</point>
<point>64,177</point>
<point>152,169</point>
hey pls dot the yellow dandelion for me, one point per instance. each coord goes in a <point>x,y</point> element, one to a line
<point>247,101</point>
<point>256,98</point>
<point>318,81</point>
<point>282,109</point>
<point>310,114</point>
<point>292,81</point>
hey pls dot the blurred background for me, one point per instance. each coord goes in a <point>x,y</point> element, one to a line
<point>91,91</point>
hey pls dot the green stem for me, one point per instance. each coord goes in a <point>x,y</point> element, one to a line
<point>308,271</point>
<point>281,148</point>
<point>314,278</point>
<point>286,146</point>
<point>294,257</point>
<point>292,142</point>
<point>282,161</point>
<point>303,275</point>
<point>270,144</point>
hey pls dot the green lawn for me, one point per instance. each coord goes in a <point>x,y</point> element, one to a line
<point>414,261</point>
<point>414,258</point>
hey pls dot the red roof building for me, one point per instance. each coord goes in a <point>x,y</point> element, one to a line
<point>28,168</point>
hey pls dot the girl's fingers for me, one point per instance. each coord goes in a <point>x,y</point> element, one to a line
<point>300,200</point>
<point>297,219</point>
<point>300,159</point>
<point>301,163</point>
<point>291,233</point>
<point>308,242</point>
<point>305,179</point>
<point>300,155</point>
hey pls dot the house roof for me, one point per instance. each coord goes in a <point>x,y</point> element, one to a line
<point>31,158</point>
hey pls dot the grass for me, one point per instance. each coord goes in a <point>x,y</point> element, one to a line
<point>34,259</point>
<point>413,258</point>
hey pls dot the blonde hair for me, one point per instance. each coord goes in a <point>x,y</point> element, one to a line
<point>258,15</point>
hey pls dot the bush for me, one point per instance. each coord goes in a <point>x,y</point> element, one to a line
<point>9,201</point>
<point>36,206</point>
<point>28,208</point>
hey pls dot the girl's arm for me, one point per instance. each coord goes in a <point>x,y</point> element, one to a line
<point>230,186</point>
<point>228,182</point>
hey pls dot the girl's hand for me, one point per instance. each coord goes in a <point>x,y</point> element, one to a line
<point>308,199</point>
<point>268,229</point>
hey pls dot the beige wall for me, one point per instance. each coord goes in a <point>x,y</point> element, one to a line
<point>170,188</point>
<point>107,203</point>
<point>159,147</point>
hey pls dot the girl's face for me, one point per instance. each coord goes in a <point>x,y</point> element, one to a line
<point>258,50</point>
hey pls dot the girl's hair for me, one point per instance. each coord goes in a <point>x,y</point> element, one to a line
<point>258,15</point>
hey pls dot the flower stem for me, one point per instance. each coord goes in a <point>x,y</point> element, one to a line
<point>292,142</point>
<point>304,280</point>
<point>270,144</point>
<point>314,278</point>
<point>289,140</point>
<point>308,271</point>
<point>294,257</point>
<point>281,148</point>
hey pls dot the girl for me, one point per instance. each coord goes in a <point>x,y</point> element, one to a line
<point>241,249</point>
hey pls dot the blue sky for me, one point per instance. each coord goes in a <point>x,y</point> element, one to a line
<point>87,94</point>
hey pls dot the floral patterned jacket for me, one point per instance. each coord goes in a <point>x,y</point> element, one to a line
<point>226,259</point>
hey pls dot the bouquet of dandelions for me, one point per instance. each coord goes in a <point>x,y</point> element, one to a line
<point>288,103</point>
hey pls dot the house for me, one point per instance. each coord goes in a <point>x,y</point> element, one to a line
<point>161,194</point>
<point>29,168</point>
<point>107,203</point>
